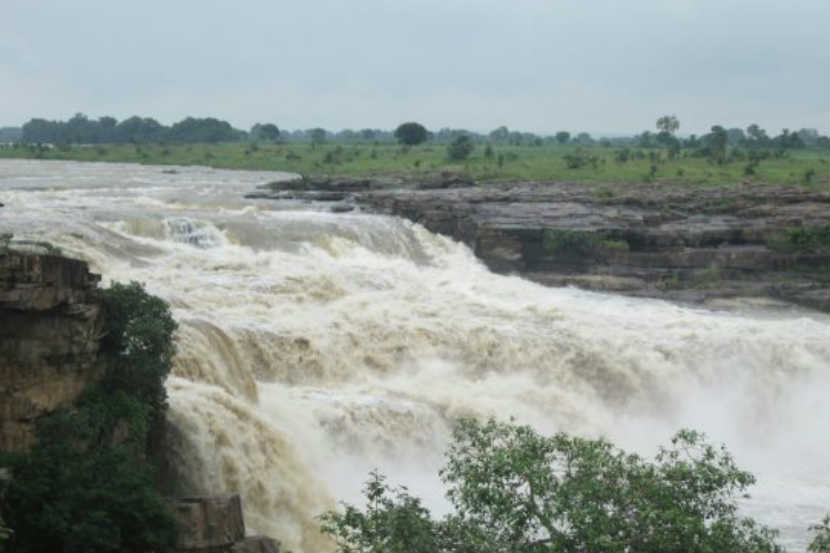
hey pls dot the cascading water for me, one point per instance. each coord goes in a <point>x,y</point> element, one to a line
<point>314,347</point>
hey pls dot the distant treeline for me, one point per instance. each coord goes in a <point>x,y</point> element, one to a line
<point>10,134</point>
<point>80,129</point>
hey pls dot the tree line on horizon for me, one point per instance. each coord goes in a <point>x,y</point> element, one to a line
<point>80,129</point>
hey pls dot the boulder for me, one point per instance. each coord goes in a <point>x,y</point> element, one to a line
<point>209,523</point>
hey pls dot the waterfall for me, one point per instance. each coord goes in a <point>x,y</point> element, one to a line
<point>313,347</point>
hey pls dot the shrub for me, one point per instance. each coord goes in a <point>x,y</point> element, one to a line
<point>621,156</point>
<point>139,343</point>
<point>460,148</point>
<point>513,489</point>
<point>800,239</point>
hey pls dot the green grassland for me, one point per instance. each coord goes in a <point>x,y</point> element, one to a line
<point>549,162</point>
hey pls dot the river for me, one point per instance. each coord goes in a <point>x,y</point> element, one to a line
<point>314,347</point>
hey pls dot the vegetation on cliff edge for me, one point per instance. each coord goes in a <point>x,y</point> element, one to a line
<point>89,482</point>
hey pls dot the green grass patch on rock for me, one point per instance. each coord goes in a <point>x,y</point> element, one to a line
<point>796,239</point>
<point>581,246</point>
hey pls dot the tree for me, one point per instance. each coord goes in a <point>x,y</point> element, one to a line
<point>500,134</point>
<point>668,124</point>
<point>788,139</point>
<point>808,136</point>
<point>106,126</point>
<point>411,133</point>
<point>584,139</point>
<point>563,136</point>
<point>40,131</point>
<point>346,135</point>
<point>735,136</point>
<point>460,148</point>
<point>646,139</point>
<point>821,539</point>
<point>757,135</point>
<point>137,129</point>
<point>394,521</point>
<point>206,129</point>
<point>715,142</point>
<point>139,342</point>
<point>266,131</point>
<point>513,489</point>
<point>318,136</point>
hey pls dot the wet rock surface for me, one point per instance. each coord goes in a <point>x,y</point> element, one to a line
<point>210,524</point>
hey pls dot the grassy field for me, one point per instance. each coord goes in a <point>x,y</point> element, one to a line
<point>551,162</point>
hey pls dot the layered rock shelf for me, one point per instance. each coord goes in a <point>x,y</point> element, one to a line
<point>50,331</point>
<point>685,244</point>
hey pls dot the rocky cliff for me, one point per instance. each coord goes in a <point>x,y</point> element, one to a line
<point>687,244</point>
<point>50,331</point>
<point>51,325</point>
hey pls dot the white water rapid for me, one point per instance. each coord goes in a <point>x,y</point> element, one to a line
<point>314,347</point>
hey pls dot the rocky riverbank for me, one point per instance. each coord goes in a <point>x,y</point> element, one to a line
<point>696,245</point>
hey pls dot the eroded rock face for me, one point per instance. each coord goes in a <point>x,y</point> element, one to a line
<point>50,332</point>
<point>688,245</point>
<point>209,523</point>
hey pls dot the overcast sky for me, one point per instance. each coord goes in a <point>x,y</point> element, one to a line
<point>602,66</point>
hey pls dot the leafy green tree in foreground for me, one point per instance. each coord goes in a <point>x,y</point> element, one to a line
<point>513,489</point>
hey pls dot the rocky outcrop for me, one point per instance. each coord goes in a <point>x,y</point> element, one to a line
<point>215,524</point>
<point>690,245</point>
<point>50,331</point>
<point>51,325</point>
<point>686,244</point>
<point>343,189</point>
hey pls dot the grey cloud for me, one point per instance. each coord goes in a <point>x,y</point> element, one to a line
<point>537,65</point>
